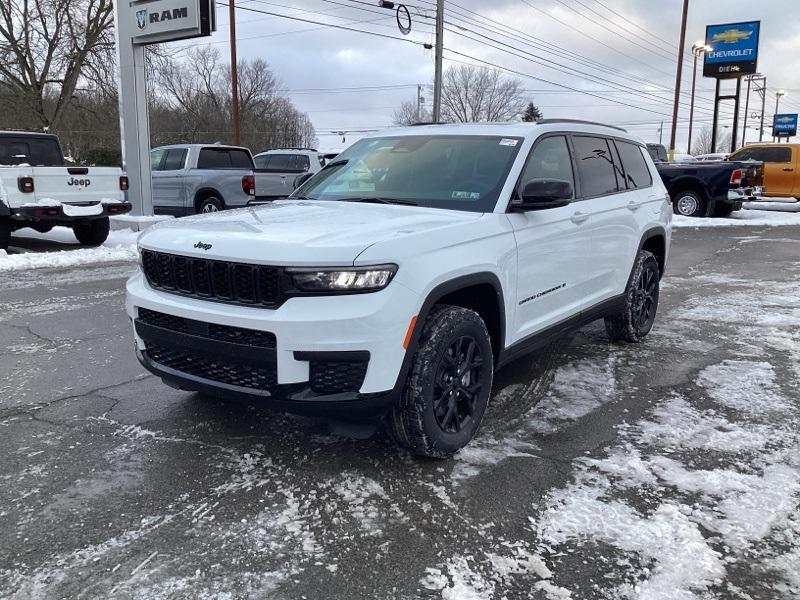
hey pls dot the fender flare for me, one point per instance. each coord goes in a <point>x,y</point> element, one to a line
<point>437,293</point>
<point>657,231</point>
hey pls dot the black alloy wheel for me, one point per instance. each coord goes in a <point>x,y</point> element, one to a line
<point>458,384</point>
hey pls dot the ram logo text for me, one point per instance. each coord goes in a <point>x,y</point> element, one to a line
<point>143,17</point>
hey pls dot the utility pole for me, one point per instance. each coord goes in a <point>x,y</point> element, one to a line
<point>419,103</point>
<point>661,133</point>
<point>234,73</point>
<point>746,108</point>
<point>678,75</point>
<point>778,95</point>
<point>437,66</point>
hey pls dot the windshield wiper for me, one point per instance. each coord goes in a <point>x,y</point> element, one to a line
<point>378,200</point>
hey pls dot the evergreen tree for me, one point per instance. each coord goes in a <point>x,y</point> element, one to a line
<point>532,113</point>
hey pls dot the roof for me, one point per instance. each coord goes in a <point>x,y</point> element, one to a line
<point>211,145</point>
<point>516,129</point>
<point>26,133</point>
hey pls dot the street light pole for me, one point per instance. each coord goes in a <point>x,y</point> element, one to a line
<point>234,73</point>
<point>778,95</point>
<point>678,75</point>
<point>697,49</point>
<point>437,65</point>
<point>763,92</point>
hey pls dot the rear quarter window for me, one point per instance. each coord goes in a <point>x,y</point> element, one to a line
<point>595,166</point>
<point>637,174</point>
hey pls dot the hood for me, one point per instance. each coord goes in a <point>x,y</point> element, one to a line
<point>297,232</point>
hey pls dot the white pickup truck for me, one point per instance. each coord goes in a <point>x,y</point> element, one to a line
<point>38,191</point>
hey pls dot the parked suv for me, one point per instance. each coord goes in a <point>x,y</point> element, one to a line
<point>201,178</point>
<point>398,279</point>
<point>278,171</point>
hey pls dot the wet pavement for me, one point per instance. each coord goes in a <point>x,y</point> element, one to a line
<point>669,469</point>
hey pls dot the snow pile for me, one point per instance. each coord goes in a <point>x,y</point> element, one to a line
<point>119,247</point>
<point>761,218</point>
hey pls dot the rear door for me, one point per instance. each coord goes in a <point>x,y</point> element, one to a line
<point>553,245</point>
<point>168,179</point>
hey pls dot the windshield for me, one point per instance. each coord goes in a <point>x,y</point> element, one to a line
<point>442,171</point>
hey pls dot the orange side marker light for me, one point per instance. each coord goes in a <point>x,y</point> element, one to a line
<point>409,332</point>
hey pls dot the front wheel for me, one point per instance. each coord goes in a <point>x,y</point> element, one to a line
<point>448,386</point>
<point>5,233</point>
<point>635,320</point>
<point>688,204</point>
<point>92,233</point>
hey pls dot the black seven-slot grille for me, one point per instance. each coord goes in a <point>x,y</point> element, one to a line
<point>238,283</point>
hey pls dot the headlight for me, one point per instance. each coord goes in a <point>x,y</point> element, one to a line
<point>355,279</point>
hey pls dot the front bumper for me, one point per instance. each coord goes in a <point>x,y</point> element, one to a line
<point>70,213</point>
<point>314,338</point>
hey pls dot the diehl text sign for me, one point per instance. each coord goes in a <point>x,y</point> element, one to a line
<point>734,50</point>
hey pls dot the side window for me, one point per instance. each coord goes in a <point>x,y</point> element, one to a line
<point>758,154</point>
<point>174,160</point>
<point>637,174</point>
<point>213,158</point>
<point>155,158</point>
<point>303,163</point>
<point>778,155</point>
<point>550,159</point>
<point>595,166</point>
<point>262,162</point>
<point>240,159</point>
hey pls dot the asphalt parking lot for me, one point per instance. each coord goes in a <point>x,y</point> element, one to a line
<point>666,470</point>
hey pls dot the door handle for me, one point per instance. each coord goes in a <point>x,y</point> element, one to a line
<point>579,217</point>
<point>788,169</point>
<point>633,205</point>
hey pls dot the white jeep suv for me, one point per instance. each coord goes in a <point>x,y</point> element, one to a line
<point>395,282</point>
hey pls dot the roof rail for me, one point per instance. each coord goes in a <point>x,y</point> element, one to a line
<point>289,148</point>
<point>578,122</point>
<point>423,123</point>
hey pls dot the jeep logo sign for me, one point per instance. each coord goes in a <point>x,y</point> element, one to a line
<point>165,20</point>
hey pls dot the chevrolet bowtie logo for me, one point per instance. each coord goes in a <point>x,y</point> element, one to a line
<point>785,120</point>
<point>731,36</point>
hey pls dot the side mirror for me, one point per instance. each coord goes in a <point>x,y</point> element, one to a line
<point>541,194</point>
<point>301,179</point>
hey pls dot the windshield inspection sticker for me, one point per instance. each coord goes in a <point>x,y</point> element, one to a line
<point>508,142</point>
<point>466,195</point>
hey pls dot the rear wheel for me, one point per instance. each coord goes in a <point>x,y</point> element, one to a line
<point>636,318</point>
<point>448,386</point>
<point>689,204</point>
<point>211,204</point>
<point>5,233</point>
<point>92,233</point>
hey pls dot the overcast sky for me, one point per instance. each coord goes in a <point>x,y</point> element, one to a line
<point>626,50</point>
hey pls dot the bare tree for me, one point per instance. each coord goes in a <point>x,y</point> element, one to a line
<point>702,141</point>
<point>471,93</point>
<point>407,114</point>
<point>47,46</point>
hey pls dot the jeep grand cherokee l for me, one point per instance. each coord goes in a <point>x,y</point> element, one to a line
<point>399,278</point>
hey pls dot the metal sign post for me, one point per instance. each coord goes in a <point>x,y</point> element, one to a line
<point>138,23</point>
<point>733,54</point>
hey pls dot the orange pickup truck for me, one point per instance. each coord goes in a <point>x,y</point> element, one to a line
<point>781,167</point>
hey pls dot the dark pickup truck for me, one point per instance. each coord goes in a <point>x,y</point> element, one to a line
<point>707,189</point>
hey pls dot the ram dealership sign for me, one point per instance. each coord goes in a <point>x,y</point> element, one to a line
<point>166,20</point>
<point>784,125</point>
<point>734,50</point>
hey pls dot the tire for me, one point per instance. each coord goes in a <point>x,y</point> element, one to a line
<point>635,320</point>
<point>723,210</point>
<point>210,204</point>
<point>92,233</point>
<point>442,405</point>
<point>689,204</point>
<point>5,233</point>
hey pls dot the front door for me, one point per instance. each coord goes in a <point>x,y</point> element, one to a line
<point>553,246</point>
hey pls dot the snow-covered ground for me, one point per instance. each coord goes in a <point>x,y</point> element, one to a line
<point>120,246</point>
<point>751,217</point>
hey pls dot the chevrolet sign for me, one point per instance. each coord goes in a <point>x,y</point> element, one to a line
<point>784,125</point>
<point>166,20</point>
<point>734,50</point>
